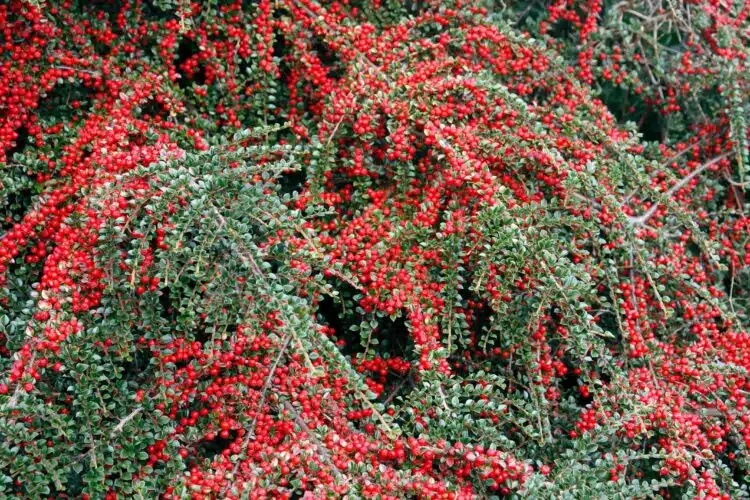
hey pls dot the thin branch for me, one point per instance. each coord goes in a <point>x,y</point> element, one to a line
<point>642,219</point>
<point>263,394</point>
<point>246,257</point>
<point>322,450</point>
<point>120,426</point>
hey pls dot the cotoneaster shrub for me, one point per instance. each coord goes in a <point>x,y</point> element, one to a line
<point>384,249</point>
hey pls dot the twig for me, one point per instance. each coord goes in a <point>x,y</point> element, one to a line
<point>93,73</point>
<point>322,450</point>
<point>642,219</point>
<point>246,257</point>
<point>118,428</point>
<point>264,392</point>
<point>396,390</point>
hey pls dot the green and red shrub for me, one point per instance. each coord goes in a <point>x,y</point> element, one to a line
<point>374,249</point>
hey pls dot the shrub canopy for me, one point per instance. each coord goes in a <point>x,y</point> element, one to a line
<point>374,249</point>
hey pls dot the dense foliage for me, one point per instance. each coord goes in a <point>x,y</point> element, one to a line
<point>374,249</point>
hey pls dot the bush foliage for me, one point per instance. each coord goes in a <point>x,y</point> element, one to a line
<point>374,249</point>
